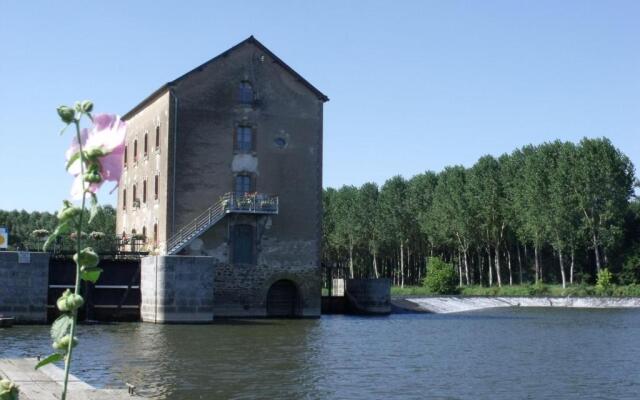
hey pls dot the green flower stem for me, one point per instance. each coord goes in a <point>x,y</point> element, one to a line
<point>67,361</point>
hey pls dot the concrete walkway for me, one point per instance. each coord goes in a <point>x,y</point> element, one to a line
<point>46,382</point>
<point>453,304</point>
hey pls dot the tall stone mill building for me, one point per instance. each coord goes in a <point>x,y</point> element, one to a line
<point>226,162</point>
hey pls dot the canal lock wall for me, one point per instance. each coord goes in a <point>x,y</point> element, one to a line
<point>24,279</point>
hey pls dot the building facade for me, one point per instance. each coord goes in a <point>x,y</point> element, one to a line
<point>226,162</point>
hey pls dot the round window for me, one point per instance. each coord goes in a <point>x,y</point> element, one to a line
<point>280,143</point>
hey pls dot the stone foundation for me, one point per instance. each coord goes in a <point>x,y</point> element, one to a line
<point>177,289</point>
<point>242,290</point>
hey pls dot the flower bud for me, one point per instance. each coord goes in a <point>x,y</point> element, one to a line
<point>92,177</point>
<point>69,301</point>
<point>67,114</point>
<point>68,212</point>
<point>6,384</point>
<point>63,343</point>
<point>87,258</point>
<point>87,106</point>
<point>94,154</point>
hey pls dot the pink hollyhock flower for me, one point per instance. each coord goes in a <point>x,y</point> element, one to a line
<point>107,134</point>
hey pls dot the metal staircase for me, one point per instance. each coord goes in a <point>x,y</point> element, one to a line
<point>246,203</point>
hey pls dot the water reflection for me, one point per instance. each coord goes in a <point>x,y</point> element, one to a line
<point>497,354</point>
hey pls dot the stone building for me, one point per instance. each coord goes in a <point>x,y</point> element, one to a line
<point>226,162</point>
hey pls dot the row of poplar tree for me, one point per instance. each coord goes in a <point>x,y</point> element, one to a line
<point>556,212</point>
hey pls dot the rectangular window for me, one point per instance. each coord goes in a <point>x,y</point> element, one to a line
<point>246,93</point>
<point>157,138</point>
<point>146,144</point>
<point>243,184</point>
<point>124,199</point>
<point>243,244</point>
<point>125,155</point>
<point>155,233</point>
<point>244,139</point>
<point>144,191</point>
<point>155,187</point>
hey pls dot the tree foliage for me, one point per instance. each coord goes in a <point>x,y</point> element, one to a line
<point>23,226</point>
<point>555,212</point>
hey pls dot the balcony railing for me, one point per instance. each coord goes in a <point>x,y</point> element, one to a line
<point>241,203</point>
<point>257,203</point>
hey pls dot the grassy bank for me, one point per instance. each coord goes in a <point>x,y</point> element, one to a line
<point>528,290</point>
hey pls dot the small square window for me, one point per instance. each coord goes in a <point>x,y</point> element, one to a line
<point>244,139</point>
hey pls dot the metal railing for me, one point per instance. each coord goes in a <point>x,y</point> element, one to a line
<point>251,203</point>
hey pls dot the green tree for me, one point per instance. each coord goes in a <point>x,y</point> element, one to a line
<point>347,230</point>
<point>603,185</point>
<point>395,218</point>
<point>452,214</point>
<point>368,214</point>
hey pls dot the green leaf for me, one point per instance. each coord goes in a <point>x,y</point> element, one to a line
<point>60,230</point>
<point>90,274</point>
<point>52,358</point>
<point>94,207</point>
<point>73,159</point>
<point>61,327</point>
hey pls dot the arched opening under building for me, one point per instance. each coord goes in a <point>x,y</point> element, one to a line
<point>283,299</point>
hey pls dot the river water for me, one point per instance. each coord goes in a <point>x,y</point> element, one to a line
<point>492,354</point>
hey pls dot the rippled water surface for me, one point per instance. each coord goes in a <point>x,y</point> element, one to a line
<point>494,354</point>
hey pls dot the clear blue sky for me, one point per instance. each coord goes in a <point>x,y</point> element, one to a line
<point>414,85</point>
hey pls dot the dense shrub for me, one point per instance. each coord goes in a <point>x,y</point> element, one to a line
<point>632,290</point>
<point>604,282</point>
<point>538,289</point>
<point>631,268</point>
<point>441,277</point>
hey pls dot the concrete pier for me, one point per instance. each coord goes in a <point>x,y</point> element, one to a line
<point>368,296</point>
<point>177,289</point>
<point>46,382</point>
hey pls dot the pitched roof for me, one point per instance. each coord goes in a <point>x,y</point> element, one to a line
<point>250,39</point>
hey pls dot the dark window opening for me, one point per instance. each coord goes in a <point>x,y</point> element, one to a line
<point>146,142</point>
<point>155,187</point>
<point>144,191</point>
<point>124,199</point>
<point>246,93</point>
<point>155,233</point>
<point>135,150</point>
<point>133,198</point>
<point>244,139</point>
<point>157,137</point>
<point>144,233</point>
<point>243,184</point>
<point>125,155</point>
<point>243,244</point>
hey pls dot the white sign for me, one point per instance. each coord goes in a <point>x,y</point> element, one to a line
<point>4,238</point>
<point>24,257</point>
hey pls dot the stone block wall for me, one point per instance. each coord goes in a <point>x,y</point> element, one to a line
<point>177,289</point>
<point>24,286</point>
<point>242,290</point>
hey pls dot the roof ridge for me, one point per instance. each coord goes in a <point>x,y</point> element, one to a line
<point>250,39</point>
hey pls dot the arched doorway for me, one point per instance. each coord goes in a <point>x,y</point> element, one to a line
<point>283,299</point>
